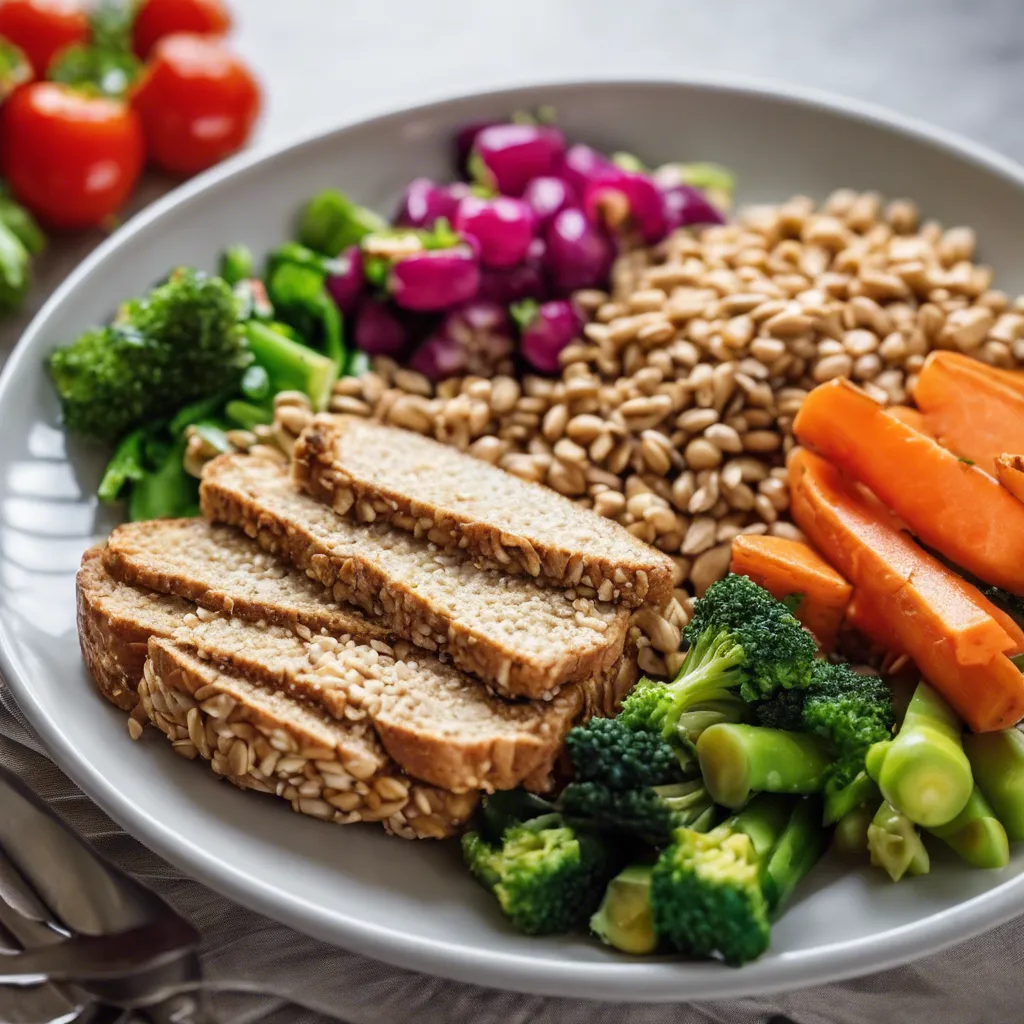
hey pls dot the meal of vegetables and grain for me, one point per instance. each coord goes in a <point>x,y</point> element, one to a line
<point>415,501</point>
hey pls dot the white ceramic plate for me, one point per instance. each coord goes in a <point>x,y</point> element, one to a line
<point>411,903</point>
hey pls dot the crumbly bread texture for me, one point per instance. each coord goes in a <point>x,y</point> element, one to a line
<point>379,473</point>
<point>269,742</point>
<point>438,724</point>
<point>523,639</point>
<point>219,568</point>
<point>114,626</point>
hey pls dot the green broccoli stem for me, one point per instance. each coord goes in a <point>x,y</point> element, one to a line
<point>862,791</point>
<point>167,493</point>
<point>624,919</point>
<point>291,365</point>
<point>247,415</point>
<point>721,709</point>
<point>895,845</point>
<point>997,759</point>
<point>739,760</point>
<point>795,853</point>
<point>976,834</point>
<point>237,264</point>
<point>127,464</point>
<point>850,838</point>
<point>924,771</point>
<point>763,821</point>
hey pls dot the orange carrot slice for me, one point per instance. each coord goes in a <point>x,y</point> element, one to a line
<point>862,614</point>
<point>972,413</point>
<point>1010,470</point>
<point>1013,379</point>
<point>786,568</point>
<point>912,417</point>
<point>931,612</point>
<point>952,506</point>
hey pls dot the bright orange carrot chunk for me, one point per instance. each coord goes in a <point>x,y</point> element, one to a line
<point>931,612</point>
<point>972,413</point>
<point>912,417</point>
<point>1010,470</point>
<point>1013,379</point>
<point>864,616</point>
<point>952,506</point>
<point>790,568</point>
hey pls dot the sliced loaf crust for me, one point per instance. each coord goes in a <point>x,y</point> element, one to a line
<point>437,723</point>
<point>271,743</point>
<point>374,472</point>
<point>523,639</point>
<point>114,627</point>
<point>218,568</point>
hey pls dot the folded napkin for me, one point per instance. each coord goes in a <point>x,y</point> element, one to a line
<point>261,971</point>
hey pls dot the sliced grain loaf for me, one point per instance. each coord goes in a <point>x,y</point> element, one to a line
<point>374,472</point>
<point>115,623</point>
<point>438,724</point>
<point>271,743</point>
<point>523,639</point>
<point>219,568</point>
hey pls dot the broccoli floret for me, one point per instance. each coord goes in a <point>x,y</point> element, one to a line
<point>607,751</point>
<point>744,646</point>
<point>546,876</point>
<point>716,893</point>
<point>848,710</point>
<point>651,813</point>
<point>179,344</point>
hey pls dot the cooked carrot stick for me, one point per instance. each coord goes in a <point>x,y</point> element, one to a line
<point>955,508</point>
<point>931,612</point>
<point>973,414</point>
<point>1010,470</point>
<point>1013,379</point>
<point>1011,626</point>
<point>790,568</point>
<point>863,616</point>
<point>909,415</point>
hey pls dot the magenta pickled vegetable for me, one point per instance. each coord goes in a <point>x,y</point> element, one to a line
<point>507,157</point>
<point>685,205</point>
<point>346,283</point>
<point>547,196</point>
<point>512,284</point>
<point>578,254</point>
<point>425,202</point>
<point>584,166</point>
<point>435,279</point>
<point>464,139</point>
<point>475,338</point>
<point>379,331</point>
<point>625,200</point>
<point>502,227</point>
<point>551,327</point>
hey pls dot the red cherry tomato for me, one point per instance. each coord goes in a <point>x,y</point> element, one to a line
<point>197,102</point>
<point>158,18</point>
<point>42,27</point>
<point>72,159</point>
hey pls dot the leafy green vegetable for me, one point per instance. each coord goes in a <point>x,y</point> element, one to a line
<point>331,222</point>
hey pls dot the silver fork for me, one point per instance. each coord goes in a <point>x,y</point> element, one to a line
<point>78,928</point>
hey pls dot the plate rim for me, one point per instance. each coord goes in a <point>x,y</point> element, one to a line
<point>614,980</point>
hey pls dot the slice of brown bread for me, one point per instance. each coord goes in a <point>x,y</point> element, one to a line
<point>219,568</point>
<point>523,639</point>
<point>438,724</point>
<point>374,472</point>
<point>272,743</point>
<point>114,626</point>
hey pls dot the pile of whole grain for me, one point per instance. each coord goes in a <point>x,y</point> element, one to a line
<point>673,414</point>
